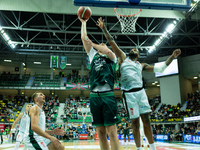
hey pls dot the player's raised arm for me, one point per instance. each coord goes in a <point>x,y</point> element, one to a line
<point>119,53</point>
<point>84,36</point>
<point>15,122</point>
<point>161,67</point>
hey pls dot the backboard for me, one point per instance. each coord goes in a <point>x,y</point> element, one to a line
<point>180,5</point>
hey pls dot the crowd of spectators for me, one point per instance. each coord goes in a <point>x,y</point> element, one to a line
<point>51,108</point>
<point>167,112</point>
<point>177,135</point>
<point>76,78</point>
<point>71,108</point>
<point>72,130</point>
<point>9,105</point>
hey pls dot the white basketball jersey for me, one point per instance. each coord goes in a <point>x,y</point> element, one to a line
<point>42,121</point>
<point>131,75</point>
<point>22,125</point>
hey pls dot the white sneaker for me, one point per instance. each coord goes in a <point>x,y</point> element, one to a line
<point>129,146</point>
<point>124,146</point>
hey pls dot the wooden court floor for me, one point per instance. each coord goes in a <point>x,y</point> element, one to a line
<point>94,145</point>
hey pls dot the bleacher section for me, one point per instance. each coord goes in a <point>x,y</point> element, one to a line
<point>10,108</point>
<point>13,80</point>
<point>43,80</point>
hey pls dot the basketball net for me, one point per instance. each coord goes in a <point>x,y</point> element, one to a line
<point>127,18</point>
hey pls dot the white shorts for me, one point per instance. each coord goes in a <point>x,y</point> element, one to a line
<point>37,144</point>
<point>20,136</point>
<point>136,103</point>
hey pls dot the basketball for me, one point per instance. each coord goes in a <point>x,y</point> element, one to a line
<point>84,12</point>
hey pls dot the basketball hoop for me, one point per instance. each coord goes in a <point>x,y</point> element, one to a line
<point>127,18</point>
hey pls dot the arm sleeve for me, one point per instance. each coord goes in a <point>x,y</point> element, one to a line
<point>160,67</point>
<point>91,54</point>
<point>115,59</point>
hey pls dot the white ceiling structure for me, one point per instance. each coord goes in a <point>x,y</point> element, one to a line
<point>42,28</point>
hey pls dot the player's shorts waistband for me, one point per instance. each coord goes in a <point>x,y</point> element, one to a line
<point>133,90</point>
<point>102,94</point>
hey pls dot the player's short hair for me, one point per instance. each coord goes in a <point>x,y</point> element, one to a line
<point>30,104</point>
<point>35,95</point>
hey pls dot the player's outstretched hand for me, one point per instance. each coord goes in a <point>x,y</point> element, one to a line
<point>82,20</point>
<point>58,131</point>
<point>176,53</point>
<point>101,23</point>
<point>55,141</point>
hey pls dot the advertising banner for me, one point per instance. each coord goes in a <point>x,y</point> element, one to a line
<point>2,126</point>
<point>63,62</point>
<point>77,86</point>
<point>83,136</point>
<point>162,137</point>
<point>84,86</point>
<point>192,138</point>
<point>54,61</point>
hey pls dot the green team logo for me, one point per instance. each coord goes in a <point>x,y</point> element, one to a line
<point>63,62</point>
<point>88,65</point>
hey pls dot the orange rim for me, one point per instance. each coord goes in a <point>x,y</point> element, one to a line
<point>126,15</point>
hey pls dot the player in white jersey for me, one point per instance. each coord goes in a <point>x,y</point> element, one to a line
<point>36,137</point>
<point>22,126</point>
<point>135,98</point>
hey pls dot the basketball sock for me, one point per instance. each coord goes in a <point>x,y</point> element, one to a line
<point>139,148</point>
<point>152,146</point>
<point>17,145</point>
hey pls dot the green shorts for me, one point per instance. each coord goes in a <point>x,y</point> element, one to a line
<point>126,132</point>
<point>103,107</point>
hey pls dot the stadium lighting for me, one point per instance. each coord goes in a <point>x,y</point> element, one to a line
<point>174,22</point>
<point>13,45</point>
<point>23,64</point>
<point>170,28</point>
<point>156,81</point>
<point>151,50</point>
<point>195,78</point>
<point>157,42</point>
<point>7,38</point>
<point>164,34</point>
<point>153,83</point>
<point>8,60</point>
<point>158,85</point>
<point>9,41</point>
<point>38,63</point>
<point>68,64</point>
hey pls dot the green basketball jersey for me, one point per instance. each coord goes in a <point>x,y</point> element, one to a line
<point>124,125</point>
<point>102,71</point>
